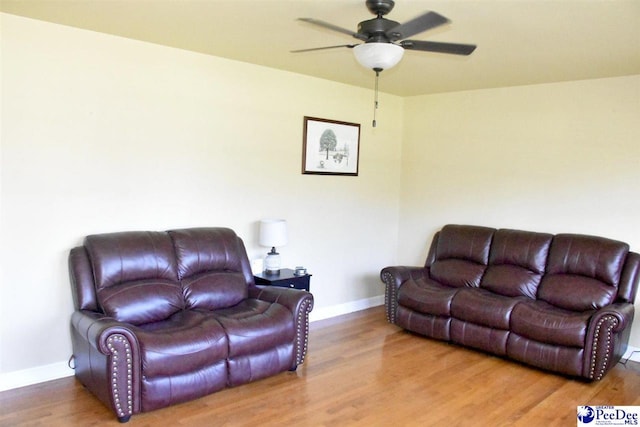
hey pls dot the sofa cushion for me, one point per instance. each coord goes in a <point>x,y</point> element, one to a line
<point>540,321</point>
<point>467,242</point>
<point>462,253</point>
<point>573,292</point>
<point>583,272</point>
<point>525,249</point>
<point>135,275</point>
<point>483,308</point>
<point>457,273</point>
<point>426,296</point>
<point>516,262</point>
<point>426,324</point>
<point>590,256</point>
<point>556,358</point>
<point>481,337</point>
<point>511,280</point>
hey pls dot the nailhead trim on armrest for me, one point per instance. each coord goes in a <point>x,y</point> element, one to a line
<point>390,297</point>
<point>303,326</point>
<point>612,323</point>
<point>113,342</point>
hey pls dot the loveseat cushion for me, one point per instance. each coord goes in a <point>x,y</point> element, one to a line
<point>185,342</point>
<point>516,262</point>
<point>214,290</point>
<point>261,339</point>
<point>254,326</point>
<point>583,272</point>
<point>142,301</point>
<point>135,275</point>
<point>183,357</point>
<point>462,254</point>
<point>210,265</point>
<point>543,322</point>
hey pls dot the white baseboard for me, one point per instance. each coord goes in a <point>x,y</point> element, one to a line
<point>632,353</point>
<point>39,374</point>
<point>54,371</point>
<point>346,308</point>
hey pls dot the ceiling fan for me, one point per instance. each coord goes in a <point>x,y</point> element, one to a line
<point>385,40</point>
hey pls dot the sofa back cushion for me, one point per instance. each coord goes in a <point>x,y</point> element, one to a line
<point>461,256</point>
<point>135,275</point>
<point>583,272</point>
<point>517,262</point>
<point>213,266</point>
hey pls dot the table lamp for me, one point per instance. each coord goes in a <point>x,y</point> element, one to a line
<point>273,233</point>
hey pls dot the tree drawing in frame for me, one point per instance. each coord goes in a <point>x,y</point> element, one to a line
<point>330,147</point>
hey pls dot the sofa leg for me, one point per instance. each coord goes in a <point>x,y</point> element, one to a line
<point>124,419</point>
<point>293,369</point>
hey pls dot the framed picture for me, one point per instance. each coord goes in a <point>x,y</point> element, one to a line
<point>330,147</point>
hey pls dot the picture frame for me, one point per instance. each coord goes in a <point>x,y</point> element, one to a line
<point>330,147</point>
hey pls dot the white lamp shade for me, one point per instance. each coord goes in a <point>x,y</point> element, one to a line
<point>273,232</point>
<point>378,55</point>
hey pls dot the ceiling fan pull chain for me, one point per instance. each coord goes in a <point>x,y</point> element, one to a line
<point>375,102</point>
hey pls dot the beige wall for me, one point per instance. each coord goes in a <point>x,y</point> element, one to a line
<point>105,134</point>
<point>101,133</point>
<point>556,158</point>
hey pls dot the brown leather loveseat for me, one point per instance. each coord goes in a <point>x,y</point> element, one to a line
<point>165,317</point>
<point>561,302</point>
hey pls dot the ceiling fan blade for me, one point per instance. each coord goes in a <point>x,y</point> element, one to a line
<point>441,47</point>
<point>332,27</point>
<point>350,46</point>
<point>417,25</point>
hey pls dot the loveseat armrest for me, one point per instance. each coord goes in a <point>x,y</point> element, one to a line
<point>393,277</point>
<point>107,360</point>
<point>300,303</point>
<point>607,338</point>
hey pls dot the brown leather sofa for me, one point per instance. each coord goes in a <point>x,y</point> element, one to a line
<point>165,317</point>
<point>561,302</point>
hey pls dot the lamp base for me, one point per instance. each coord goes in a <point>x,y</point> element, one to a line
<point>272,262</point>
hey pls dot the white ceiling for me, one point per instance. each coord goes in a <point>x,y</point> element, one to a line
<point>520,42</point>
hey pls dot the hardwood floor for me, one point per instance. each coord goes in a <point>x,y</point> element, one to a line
<point>360,371</point>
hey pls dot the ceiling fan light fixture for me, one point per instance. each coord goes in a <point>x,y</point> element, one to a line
<point>380,56</point>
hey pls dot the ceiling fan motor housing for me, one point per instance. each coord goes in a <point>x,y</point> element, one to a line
<point>380,7</point>
<point>376,30</point>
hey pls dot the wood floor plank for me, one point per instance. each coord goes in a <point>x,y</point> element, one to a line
<point>360,371</point>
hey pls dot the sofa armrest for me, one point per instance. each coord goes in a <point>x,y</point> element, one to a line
<point>607,338</point>
<point>107,360</point>
<point>393,277</point>
<point>299,302</point>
